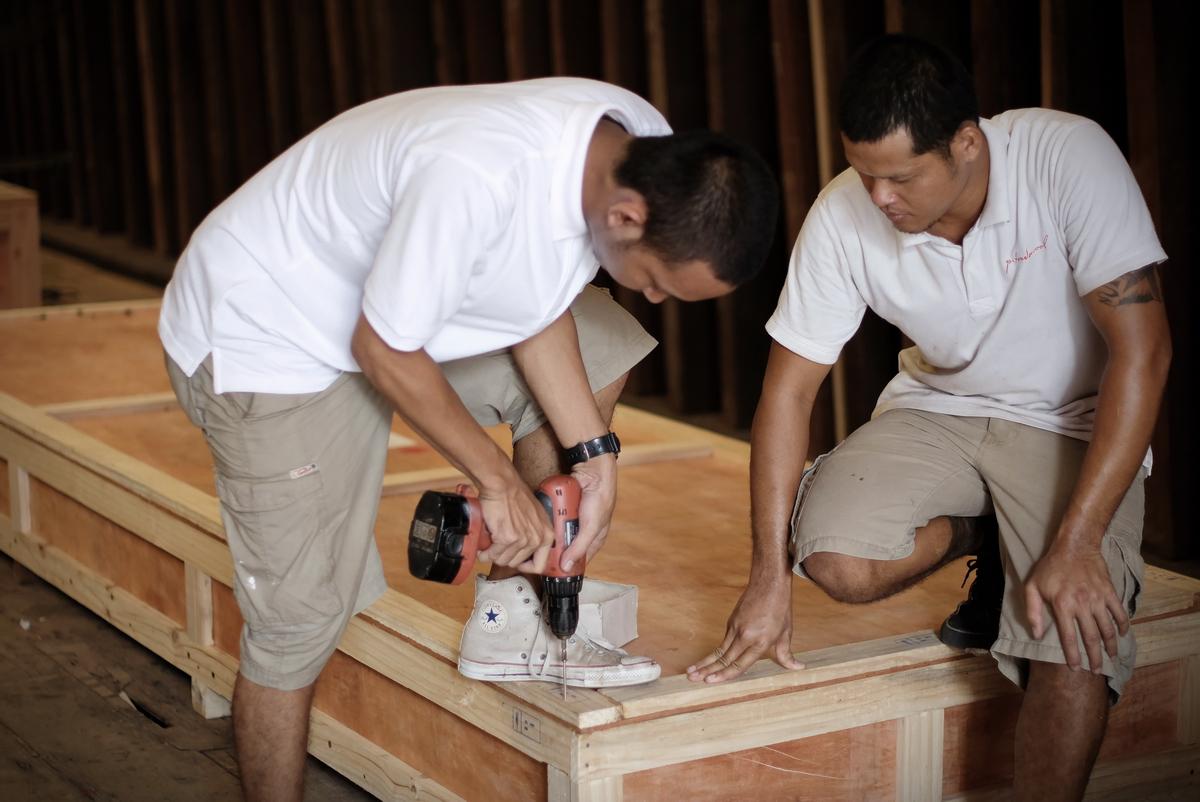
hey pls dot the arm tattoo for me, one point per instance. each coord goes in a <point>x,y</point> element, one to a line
<point>1135,287</point>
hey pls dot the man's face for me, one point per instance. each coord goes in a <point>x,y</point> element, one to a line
<point>914,192</point>
<point>638,268</point>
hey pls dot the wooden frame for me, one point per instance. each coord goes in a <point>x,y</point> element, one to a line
<point>884,717</point>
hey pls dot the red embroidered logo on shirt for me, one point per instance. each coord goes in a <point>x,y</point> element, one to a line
<point>1012,260</point>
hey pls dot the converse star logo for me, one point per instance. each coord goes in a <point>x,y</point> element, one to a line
<point>493,617</point>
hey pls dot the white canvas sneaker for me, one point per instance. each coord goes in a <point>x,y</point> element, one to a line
<point>507,640</point>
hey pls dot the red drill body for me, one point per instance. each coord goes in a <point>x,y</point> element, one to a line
<point>448,532</point>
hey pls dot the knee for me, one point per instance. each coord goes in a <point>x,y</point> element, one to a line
<point>844,578</point>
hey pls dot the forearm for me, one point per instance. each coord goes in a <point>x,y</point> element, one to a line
<point>1130,394</point>
<point>415,386</point>
<point>779,443</point>
<point>553,368</point>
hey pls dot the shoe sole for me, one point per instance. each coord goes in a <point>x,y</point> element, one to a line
<point>962,639</point>
<point>492,672</point>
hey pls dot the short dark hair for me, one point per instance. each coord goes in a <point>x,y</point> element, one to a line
<point>899,82</point>
<point>708,198</point>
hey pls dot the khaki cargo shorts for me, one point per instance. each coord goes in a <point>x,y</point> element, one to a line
<point>868,496</point>
<point>299,481</point>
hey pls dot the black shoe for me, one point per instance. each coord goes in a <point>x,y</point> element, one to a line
<point>975,623</point>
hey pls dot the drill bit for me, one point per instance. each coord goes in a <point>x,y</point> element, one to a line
<point>563,642</point>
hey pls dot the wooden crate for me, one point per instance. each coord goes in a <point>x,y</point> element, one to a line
<point>20,268</point>
<point>106,491</point>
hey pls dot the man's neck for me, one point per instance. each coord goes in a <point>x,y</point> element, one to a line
<point>607,147</point>
<point>967,208</point>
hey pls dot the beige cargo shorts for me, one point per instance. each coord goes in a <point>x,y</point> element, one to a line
<point>299,477</point>
<point>868,496</point>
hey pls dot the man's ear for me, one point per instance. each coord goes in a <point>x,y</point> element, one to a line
<point>967,143</point>
<point>625,216</point>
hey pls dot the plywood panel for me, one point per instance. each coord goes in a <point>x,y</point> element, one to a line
<point>686,592</point>
<point>227,620</point>
<point>114,553</point>
<point>95,356</point>
<point>462,757</point>
<point>857,764</point>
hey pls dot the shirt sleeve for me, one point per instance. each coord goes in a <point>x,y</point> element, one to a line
<point>819,307</point>
<point>442,220</point>
<point>1106,226</point>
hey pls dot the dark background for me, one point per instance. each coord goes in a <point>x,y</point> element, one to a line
<point>133,118</point>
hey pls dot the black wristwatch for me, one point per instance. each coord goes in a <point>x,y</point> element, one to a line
<point>582,452</point>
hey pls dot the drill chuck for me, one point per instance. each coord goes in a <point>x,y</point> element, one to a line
<point>562,603</point>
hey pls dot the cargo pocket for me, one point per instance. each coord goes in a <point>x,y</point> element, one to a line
<point>282,555</point>
<point>1125,569</point>
<point>806,480</point>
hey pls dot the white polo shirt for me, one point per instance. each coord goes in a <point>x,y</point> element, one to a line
<point>451,217</point>
<point>999,325</point>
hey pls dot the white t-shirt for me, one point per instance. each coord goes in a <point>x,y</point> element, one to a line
<point>999,325</point>
<point>451,217</point>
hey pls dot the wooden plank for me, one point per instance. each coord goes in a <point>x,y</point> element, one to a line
<point>79,310</point>
<point>118,405</point>
<point>96,101</point>
<point>151,66</point>
<point>919,756</point>
<point>561,788</point>
<point>1189,702</point>
<point>131,502</point>
<point>68,77</point>
<point>483,48</point>
<point>1000,28</point>
<point>622,27</point>
<point>339,24</point>
<point>361,761</point>
<point>646,744</point>
<point>527,39</point>
<point>20,262</point>
<point>741,100</point>
<point>19,511</point>
<point>845,766</point>
<point>247,95</point>
<point>798,169</point>
<point>189,157</point>
<point>760,721</point>
<point>946,23</point>
<point>131,131</point>
<point>574,39</point>
<point>676,66</point>
<point>213,74</point>
<point>1083,66</point>
<point>448,42</point>
<point>310,69</point>
<point>277,65</point>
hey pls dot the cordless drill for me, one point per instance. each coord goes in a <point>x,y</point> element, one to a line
<point>448,531</point>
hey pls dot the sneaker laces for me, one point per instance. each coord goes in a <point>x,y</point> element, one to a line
<point>972,564</point>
